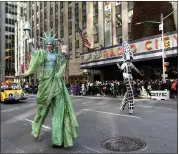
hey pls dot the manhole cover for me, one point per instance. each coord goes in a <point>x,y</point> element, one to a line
<point>123,144</point>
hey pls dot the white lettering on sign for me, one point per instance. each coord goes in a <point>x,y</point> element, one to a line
<point>159,95</point>
<point>138,47</point>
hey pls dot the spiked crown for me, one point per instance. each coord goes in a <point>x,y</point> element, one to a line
<point>48,38</point>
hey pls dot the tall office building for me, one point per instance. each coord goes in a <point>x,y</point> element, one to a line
<point>2,42</point>
<point>21,52</point>
<point>105,24</point>
<point>9,15</point>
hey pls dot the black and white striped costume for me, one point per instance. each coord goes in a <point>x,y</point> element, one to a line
<point>127,68</point>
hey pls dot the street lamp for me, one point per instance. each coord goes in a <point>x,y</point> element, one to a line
<point>161,25</point>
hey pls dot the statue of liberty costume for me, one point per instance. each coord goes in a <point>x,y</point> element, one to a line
<point>127,67</point>
<point>53,94</point>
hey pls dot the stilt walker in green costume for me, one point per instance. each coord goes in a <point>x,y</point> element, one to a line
<point>52,94</point>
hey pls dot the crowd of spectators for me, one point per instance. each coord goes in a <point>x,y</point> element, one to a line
<point>117,88</point>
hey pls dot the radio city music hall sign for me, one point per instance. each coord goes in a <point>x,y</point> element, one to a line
<point>149,45</point>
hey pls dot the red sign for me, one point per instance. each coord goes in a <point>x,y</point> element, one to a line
<point>22,68</point>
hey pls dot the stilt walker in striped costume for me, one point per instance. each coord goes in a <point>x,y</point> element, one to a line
<point>127,67</point>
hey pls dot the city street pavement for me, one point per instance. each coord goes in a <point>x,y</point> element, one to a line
<point>154,122</point>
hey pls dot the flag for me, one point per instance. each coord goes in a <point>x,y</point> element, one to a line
<point>84,38</point>
<point>28,56</point>
<point>22,68</point>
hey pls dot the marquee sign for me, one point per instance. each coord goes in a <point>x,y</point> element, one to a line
<point>144,46</point>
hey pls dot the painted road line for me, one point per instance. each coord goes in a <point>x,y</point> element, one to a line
<point>19,108</point>
<point>91,149</point>
<point>43,126</point>
<point>149,106</point>
<point>129,116</point>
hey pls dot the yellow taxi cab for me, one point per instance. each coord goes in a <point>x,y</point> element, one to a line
<point>12,92</point>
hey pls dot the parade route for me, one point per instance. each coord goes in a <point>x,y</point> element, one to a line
<point>154,122</point>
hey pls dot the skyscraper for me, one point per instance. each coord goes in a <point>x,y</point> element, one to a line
<point>9,15</point>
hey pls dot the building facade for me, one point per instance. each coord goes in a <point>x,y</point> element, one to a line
<point>105,23</point>
<point>2,42</point>
<point>9,15</point>
<point>21,58</point>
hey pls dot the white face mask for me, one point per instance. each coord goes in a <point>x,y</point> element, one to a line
<point>127,52</point>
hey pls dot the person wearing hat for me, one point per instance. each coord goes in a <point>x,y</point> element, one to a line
<point>53,94</point>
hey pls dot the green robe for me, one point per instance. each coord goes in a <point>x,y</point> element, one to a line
<point>52,93</point>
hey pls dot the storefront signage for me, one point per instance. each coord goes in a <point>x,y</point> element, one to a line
<point>160,95</point>
<point>138,47</point>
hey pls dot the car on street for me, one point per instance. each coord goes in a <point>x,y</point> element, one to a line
<point>12,92</point>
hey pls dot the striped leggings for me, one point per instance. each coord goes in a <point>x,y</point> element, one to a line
<point>129,96</point>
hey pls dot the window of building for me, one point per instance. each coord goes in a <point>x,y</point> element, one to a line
<point>45,3</point>
<point>96,38</point>
<point>130,5</point>
<point>95,6</point>
<point>56,6</point>
<point>30,4</point>
<point>84,19</point>
<point>61,18</point>
<point>95,19</point>
<point>45,28</point>
<point>83,6</point>
<point>11,9</point>
<point>61,32</point>
<point>77,54</point>
<point>69,30</point>
<point>61,5</point>
<point>129,27</point>
<point>119,31</point>
<point>9,29</point>
<point>41,5</point>
<point>7,21</point>
<point>37,20</point>
<point>84,24</point>
<point>51,24</point>
<point>37,8</point>
<point>69,13</point>
<point>51,10</point>
<point>32,12</point>
<point>56,20</point>
<point>22,12</point>
<point>77,44</point>
<point>118,9</point>
<point>76,26</point>
<point>45,14</point>
<point>70,46</point>
<point>41,16</point>
<point>129,37</point>
<point>76,12</point>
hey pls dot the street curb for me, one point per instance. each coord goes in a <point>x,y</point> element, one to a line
<point>104,97</point>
